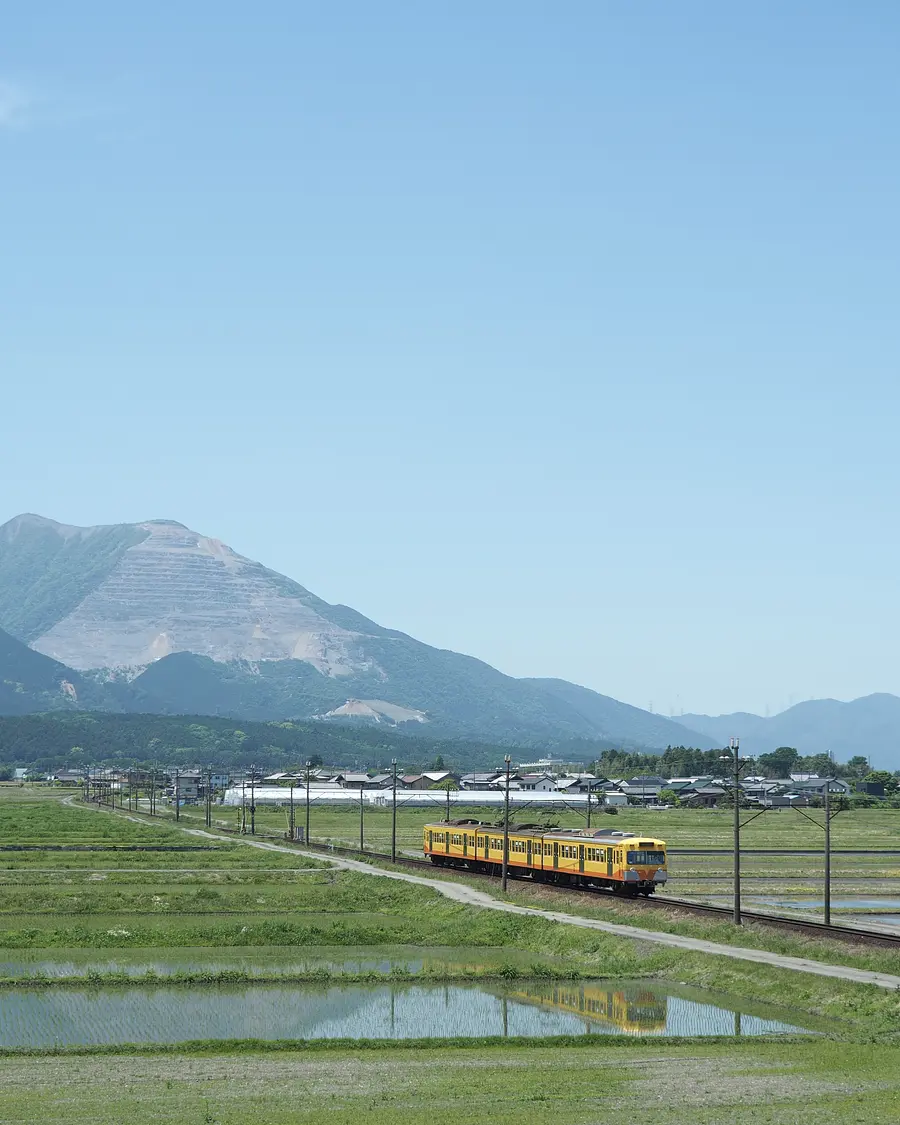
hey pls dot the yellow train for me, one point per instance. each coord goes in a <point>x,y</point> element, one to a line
<point>608,858</point>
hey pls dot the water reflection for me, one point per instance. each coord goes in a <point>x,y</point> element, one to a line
<point>46,1017</point>
<point>638,1009</point>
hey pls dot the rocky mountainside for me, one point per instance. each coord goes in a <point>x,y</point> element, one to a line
<point>169,621</point>
<point>869,725</point>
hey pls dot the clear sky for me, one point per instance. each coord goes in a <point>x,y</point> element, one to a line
<point>565,335</point>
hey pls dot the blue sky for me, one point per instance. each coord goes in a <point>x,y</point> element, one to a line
<point>562,335</point>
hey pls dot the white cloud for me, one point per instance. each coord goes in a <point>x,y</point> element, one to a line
<point>15,104</point>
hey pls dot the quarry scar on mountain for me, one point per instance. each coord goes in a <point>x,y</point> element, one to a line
<point>178,591</point>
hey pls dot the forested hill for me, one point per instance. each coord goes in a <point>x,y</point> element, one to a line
<point>76,739</point>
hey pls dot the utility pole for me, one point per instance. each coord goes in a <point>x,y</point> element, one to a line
<point>308,766</point>
<point>362,843</point>
<point>252,800</point>
<point>589,805</point>
<point>209,796</point>
<point>244,803</point>
<point>735,746</point>
<point>828,851</point>
<point>177,795</point>
<point>737,765</point>
<point>394,810</point>
<point>291,817</point>
<point>448,805</point>
<point>505,827</point>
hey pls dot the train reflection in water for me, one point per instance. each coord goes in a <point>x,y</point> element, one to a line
<point>635,1011</point>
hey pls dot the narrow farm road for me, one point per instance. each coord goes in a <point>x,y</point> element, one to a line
<point>459,892</point>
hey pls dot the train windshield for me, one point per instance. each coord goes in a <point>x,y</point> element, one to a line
<point>644,858</point>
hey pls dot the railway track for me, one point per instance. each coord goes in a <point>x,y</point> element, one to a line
<point>854,935</point>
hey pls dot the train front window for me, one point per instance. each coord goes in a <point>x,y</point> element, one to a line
<point>645,859</point>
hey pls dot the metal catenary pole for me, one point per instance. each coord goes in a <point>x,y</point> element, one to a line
<point>505,827</point>
<point>291,832</point>
<point>734,758</point>
<point>826,827</point>
<point>306,835</point>
<point>394,810</point>
<point>362,842</point>
<point>252,800</point>
<point>735,746</point>
<point>827,851</point>
<point>177,795</point>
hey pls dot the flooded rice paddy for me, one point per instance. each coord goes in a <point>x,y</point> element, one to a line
<point>71,1016</point>
<point>265,961</point>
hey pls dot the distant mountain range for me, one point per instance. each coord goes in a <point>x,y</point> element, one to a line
<point>158,618</point>
<point>869,725</point>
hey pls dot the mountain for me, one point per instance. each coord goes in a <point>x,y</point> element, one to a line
<point>869,725</point>
<point>30,681</point>
<point>607,716</point>
<point>167,620</point>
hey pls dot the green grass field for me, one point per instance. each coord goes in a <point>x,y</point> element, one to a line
<point>127,888</point>
<point>755,1084</point>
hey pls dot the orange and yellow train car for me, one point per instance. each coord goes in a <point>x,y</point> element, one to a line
<point>608,858</point>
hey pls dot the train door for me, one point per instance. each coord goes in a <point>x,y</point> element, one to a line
<point>555,854</point>
<point>528,853</point>
<point>429,839</point>
<point>447,842</point>
<point>581,858</point>
<point>465,837</point>
<point>609,862</point>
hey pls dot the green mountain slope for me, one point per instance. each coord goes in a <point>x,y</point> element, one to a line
<point>47,741</point>
<point>462,697</point>
<point>30,681</point>
<point>48,568</point>
<point>607,715</point>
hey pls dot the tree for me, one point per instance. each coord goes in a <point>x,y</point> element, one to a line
<point>858,766</point>
<point>780,762</point>
<point>447,783</point>
<point>438,763</point>
<point>668,797</point>
<point>885,778</point>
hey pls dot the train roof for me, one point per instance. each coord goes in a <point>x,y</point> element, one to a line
<point>614,835</point>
